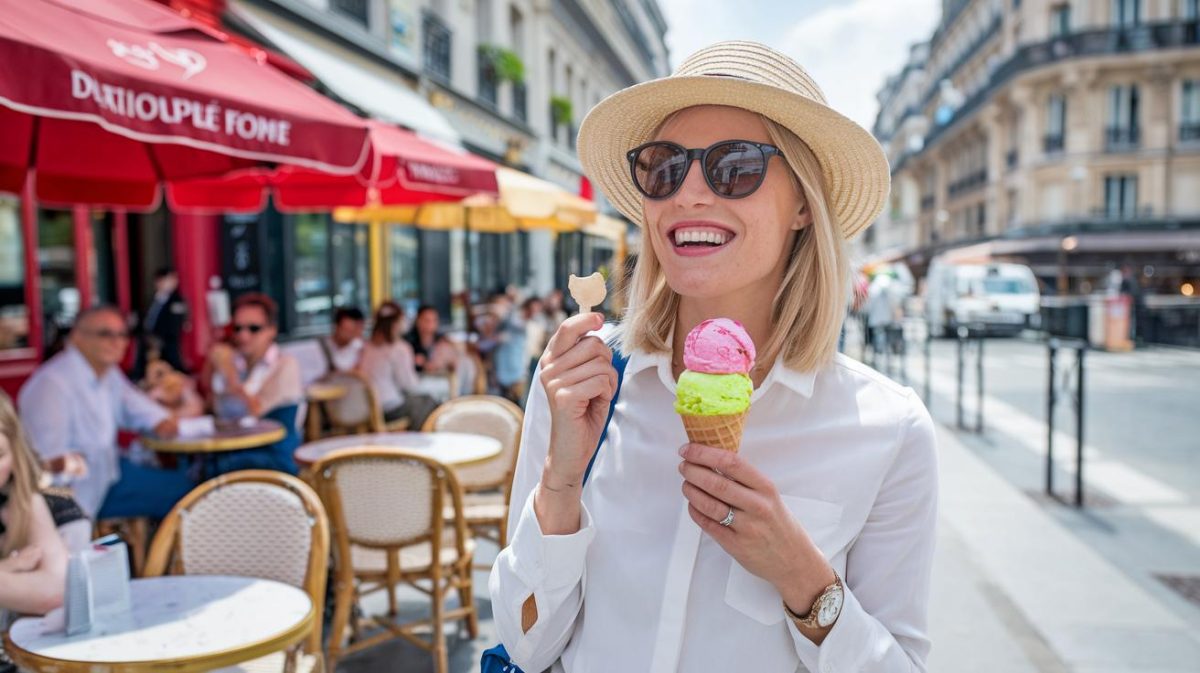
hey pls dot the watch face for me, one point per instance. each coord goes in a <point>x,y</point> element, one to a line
<point>831,607</point>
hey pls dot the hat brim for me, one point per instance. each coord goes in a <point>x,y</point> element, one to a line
<point>856,172</point>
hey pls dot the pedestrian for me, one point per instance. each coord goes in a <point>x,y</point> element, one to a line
<point>555,314</point>
<point>510,355</point>
<point>73,406</point>
<point>432,351</point>
<point>811,547</point>
<point>343,348</point>
<point>162,329</point>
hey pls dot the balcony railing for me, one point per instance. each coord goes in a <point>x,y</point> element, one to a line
<point>1121,138</point>
<point>967,183</point>
<point>520,102</point>
<point>1189,131</point>
<point>437,44</point>
<point>1143,38</point>
<point>1053,143</point>
<point>489,84</point>
<point>1010,159</point>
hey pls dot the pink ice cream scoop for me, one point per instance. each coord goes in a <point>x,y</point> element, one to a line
<point>719,346</point>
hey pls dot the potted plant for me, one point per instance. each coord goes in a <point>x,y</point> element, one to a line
<point>505,63</point>
<point>562,109</point>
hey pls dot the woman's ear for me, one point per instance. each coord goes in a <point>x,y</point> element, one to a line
<point>803,217</point>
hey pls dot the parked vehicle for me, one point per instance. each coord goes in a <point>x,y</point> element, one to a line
<point>1001,298</point>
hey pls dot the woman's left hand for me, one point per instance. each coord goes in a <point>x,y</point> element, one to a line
<point>764,537</point>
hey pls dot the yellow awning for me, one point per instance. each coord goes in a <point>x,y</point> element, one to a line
<point>612,228</point>
<point>525,203</point>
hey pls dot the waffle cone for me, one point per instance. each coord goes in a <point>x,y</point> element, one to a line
<point>723,432</point>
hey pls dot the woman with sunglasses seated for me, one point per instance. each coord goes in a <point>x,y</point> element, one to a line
<point>811,547</point>
<point>253,377</point>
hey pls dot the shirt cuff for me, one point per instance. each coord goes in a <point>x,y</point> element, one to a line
<point>847,646</point>
<point>550,562</point>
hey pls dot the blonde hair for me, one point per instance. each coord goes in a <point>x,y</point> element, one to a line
<point>810,305</point>
<point>22,484</point>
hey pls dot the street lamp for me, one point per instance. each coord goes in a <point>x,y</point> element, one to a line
<point>1068,244</point>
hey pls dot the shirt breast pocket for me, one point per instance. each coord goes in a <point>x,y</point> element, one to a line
<point>755,597</point>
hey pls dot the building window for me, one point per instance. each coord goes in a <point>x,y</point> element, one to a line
<point>1060,20</point>
<point>358,10</point>
<point>310,286</point>
<point>14,313</point>
<point>1123,126</point>
<point>405,269</point>
<point>61,299</point>
<point>1126,13</point>
<point>351,266</point>
<point>437,48</point>
<point>1189,113</point>
<point>489,83</point>
<point>1120,197</point>
<point>1056,123</point>
<point>1190,10</point>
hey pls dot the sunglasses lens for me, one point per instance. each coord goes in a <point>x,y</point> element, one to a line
<point>253,329</point>
<point>659,169</point>
<point>735,169</point>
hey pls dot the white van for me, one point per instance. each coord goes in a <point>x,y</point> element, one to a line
<point>1002,298</point>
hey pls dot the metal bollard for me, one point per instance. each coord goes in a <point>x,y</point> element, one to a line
<point>928,365</point>
<point>974,343</point>
<point>1080,347</point>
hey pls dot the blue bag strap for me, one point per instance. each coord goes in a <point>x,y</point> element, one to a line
<point>619,361</point>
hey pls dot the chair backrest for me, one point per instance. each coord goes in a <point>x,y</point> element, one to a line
<point>358,408</point>
<point>253,523</point>
<point>386,499</point>
<point>470,374</point>
<point>482,415</point>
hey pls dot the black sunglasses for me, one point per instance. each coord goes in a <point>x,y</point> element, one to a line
<point>107,334</point>
<point>733,169</point>
<point>253,329</point>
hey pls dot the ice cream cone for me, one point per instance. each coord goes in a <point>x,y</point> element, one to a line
<point>723,432</point>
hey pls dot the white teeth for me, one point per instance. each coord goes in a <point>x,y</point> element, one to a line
<point>693,236</point>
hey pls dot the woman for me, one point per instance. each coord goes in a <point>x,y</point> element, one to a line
<point>33,559</point>
<point>387,360</point>
<point>431,352</point>
<point>811,548</point>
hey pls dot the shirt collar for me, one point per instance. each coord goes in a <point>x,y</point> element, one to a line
<point>80,364</point>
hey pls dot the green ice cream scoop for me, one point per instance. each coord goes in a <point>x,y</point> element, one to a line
<point>699,394</point>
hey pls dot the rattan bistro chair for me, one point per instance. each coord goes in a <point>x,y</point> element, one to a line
<point>485,486</point>
<point>386,510</point>
<point>253,523</point>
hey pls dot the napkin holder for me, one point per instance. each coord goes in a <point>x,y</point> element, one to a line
<point>97,585</point>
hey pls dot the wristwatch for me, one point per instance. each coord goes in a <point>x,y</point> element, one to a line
<point>825,609</point>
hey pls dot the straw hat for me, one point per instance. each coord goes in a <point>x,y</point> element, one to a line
<point>753,77</point>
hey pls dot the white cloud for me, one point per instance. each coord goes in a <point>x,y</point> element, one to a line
<point>852,47</point>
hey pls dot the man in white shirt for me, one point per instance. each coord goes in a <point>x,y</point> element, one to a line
<point>343,348</point>
<point>73,406</point>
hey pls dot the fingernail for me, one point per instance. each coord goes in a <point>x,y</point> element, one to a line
<point>683,450</point>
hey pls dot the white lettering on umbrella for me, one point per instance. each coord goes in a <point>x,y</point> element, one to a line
<point>178,110</point>
<point>443,175</point>
<point>147,56</point>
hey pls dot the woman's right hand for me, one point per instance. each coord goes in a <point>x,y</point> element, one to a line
<point>580,382</point>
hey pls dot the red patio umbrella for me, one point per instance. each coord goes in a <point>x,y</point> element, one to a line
<point>106,99</point>
<point>403,169</point>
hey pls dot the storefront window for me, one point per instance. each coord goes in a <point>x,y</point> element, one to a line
<point>14,314</point>
<point>102,266</point>
<point>56,260</point>
<point>311,295</point>
<point>405,270</point>
<point>351,266</point>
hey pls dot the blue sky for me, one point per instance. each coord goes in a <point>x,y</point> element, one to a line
<point>848,46</point>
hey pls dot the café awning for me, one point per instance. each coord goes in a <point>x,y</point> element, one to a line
<point>129,94</point>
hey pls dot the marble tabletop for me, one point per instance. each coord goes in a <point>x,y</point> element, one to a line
<point>450,448</point>
<point>192,622</point>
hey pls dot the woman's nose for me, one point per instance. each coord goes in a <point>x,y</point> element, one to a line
<point>694,189</point>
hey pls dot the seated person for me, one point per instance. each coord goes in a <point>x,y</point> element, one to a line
<point>387,361</point>
<point>432,351</point>
<point>174,390</point>
<point>33,559</point>
<point>255,378</point>
<point>72,407</point>
<point>343,348</point>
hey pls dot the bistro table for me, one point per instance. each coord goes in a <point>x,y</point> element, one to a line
<point>317,393</point>
<point>178,623</point>
<point>235,437</point>
<point>456,449</point>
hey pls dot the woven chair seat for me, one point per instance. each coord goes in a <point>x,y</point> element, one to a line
<point>481,507</point>
<point>273,663</point>
<point>412,558</point>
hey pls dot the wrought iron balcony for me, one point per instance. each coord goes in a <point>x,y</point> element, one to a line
<point>437,43</point>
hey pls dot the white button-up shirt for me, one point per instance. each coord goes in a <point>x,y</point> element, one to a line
<point>641,588</point>
<point>66,408</point>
